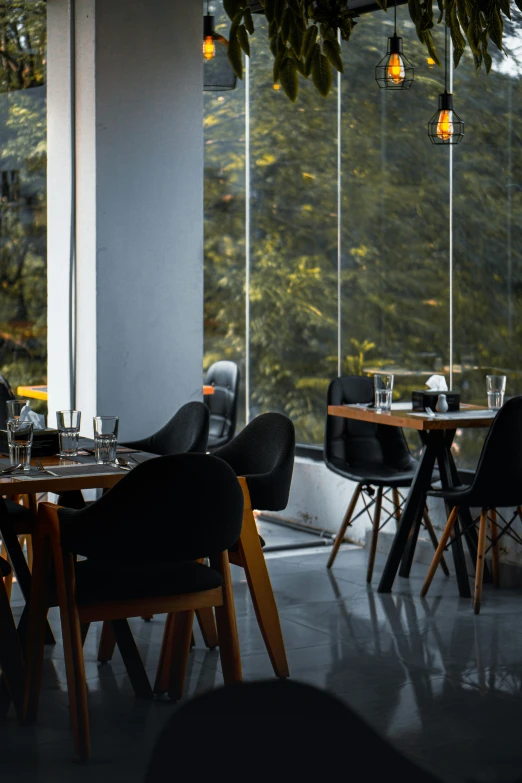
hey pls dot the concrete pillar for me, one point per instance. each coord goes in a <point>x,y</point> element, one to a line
<point>139,203</point>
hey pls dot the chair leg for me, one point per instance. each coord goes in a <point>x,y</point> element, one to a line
<point>260,587</point>
<point>131,659</point>
<point>8,580</point>
<point>11,661</point>
<point>440,550</point>
<point>375,534</point>
<point>397,506</point>
<point>36,629</point>
<point>227,627</point>
<point>495,562</point>
<point>207,626</point>
<point>181,634</point>
<point>346,521</point>
<point>107,643</point>
<point>481,548</point>
<point>434,540</point>
<point>161,684</point>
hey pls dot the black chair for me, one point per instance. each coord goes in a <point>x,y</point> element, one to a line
<point>496,484</point>
<point>186,432</point>
<point>11,661</point>
<point>374,456</point>
<point>224,377</point>
<point>303,720</point>
<point>193,505</point>
<point>6,393</point>
<point>262,455</point>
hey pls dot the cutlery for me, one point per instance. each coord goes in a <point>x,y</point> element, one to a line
<point>122,463</point>
<point>431,414</point>
<point>41,469</point>
<point>11,469</point>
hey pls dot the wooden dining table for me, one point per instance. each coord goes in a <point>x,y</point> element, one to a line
<point>437,434</point>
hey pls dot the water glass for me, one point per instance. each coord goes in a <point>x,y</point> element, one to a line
<point>383,385</point>
<point>496,386</point>
<point>20,439</point>
<point>68,432</point>
<point>105,439</point>
<point>15,408</point>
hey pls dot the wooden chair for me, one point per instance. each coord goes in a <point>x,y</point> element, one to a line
<point>495,485</point>
<point>181,508</point>
<point>11,661</point>
<point>262,456</point>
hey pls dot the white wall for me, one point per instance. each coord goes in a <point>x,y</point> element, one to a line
<point>139,147</point>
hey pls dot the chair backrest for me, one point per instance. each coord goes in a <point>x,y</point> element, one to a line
<point>224,377</point>
<point>186,432</point>
<point>353,442</point>
<point>293,710</point>
<point>6,393</point>
<point>174,508</point>
<point>264,452</point>
<point>498,478</point>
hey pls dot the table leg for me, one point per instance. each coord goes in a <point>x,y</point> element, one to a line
<point>412,510</point>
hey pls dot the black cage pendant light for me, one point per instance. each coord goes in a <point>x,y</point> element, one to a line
<point>446,127</point>
<point>218,75</point>
<point>394,72</point>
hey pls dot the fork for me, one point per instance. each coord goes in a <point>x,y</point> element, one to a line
<point>41,469</point>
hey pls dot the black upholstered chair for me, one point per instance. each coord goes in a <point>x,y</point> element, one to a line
<point>496,484</point>
<point>293,711</point>
<point>375,456</point>
<point>262,455</point>
<point>6,393</point>
<point>11,662</point>
<point>181,508</point>
<point>186,432</point>
<point>224,377</point>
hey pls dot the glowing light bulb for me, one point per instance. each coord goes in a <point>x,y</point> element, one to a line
<point>395,69</point>
<point>209,47</point>
<point>445,125</point>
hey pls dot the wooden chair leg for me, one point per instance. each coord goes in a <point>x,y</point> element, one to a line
<point>495,562</point>
<point>107,643</point>
<point>29,547</point>
<point>207,626</point>
<point>440,550</point>
<point>36,628</point>
<point>481,548</point>
<point>8,580</point>
<point>227,628</point>
<point>346,521</point>
<point>74,662</point>
<point>375,534</point>
<point>434,540</point>
<point>265,607</point>
<point>181,633</point>
<point>11,661</point>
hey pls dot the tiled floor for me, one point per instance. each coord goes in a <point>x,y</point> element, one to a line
<point>443,685</point>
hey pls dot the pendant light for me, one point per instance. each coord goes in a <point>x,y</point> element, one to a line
<point>446,127</point>
<point>218,75</point>
<point>394,71</point>
<point>209,45</point>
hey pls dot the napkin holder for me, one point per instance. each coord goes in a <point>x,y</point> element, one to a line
<point>45,443</point>
<point>426,398</point>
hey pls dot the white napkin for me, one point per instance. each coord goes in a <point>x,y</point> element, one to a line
<point>437,383</point>
<point>38,419</point>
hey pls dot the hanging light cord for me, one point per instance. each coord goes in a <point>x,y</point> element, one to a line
<point>446,59</point>
<point>395,17</point>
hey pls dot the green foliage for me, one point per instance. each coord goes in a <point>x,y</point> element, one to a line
<point>23,39</point>
<point>298,26</point>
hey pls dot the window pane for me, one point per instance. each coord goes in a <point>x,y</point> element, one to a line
<point>23,260</point>
<point>294,247</point>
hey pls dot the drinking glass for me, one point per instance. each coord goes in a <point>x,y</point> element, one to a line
<point>383,385</point>
<point>496,386</point>
<point>15,408</point>
<point>68,432</point>
<point>105,439</point>
<point>20,439</point>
